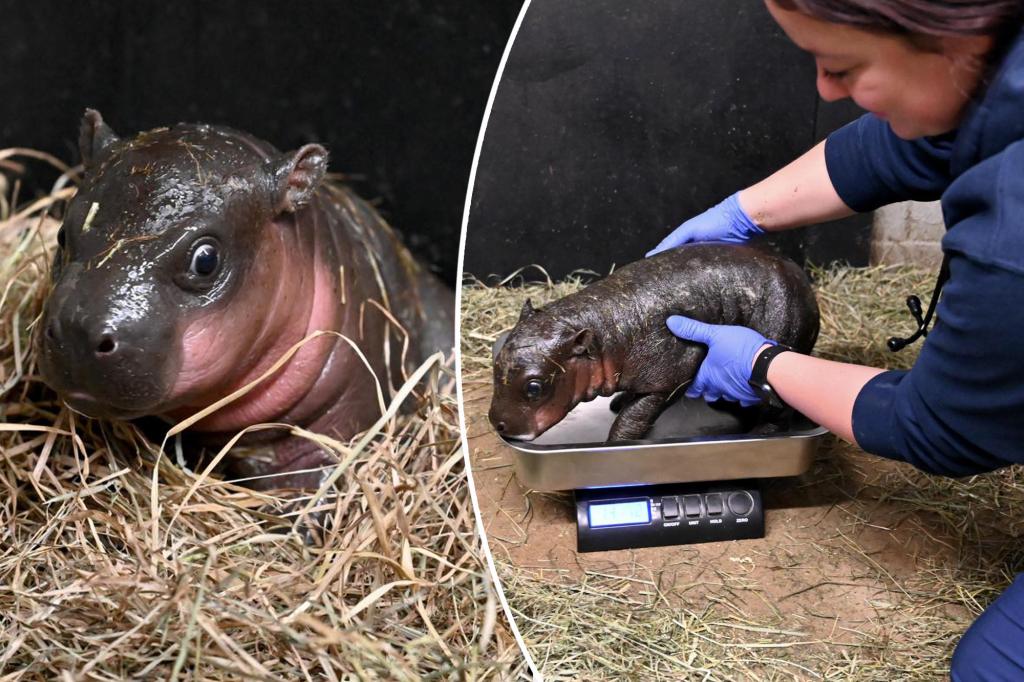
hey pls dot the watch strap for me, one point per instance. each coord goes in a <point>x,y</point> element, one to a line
<point>759,374</point>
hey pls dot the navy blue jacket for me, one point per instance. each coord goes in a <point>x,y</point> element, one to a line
<point>960,410</point>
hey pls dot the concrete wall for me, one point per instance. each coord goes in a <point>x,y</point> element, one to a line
<point>908,232</point>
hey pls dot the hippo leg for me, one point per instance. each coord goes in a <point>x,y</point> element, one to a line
<point>306,471</point>
<point>303,472</point>
<point>620,400</point>
<point>247,464</point>
<point>636,418</point>
<point>773,419</point>
<point>766,429</point>
<point>748,417</point>
<point>269,468</point>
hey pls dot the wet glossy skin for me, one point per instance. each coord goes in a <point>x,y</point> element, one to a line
<point>611,336</point>
<point>192,258</point>
<point>124,263</point>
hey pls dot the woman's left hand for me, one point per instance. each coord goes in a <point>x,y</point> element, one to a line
<point>726,222</point>
<point>725,372</point>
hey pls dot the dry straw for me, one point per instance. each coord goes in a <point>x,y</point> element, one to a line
<point>115,563</point>
<point>698,621</point>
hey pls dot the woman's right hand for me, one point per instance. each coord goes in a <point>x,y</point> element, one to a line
<point>726,222</point>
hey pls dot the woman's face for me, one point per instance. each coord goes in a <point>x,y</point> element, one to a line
<point>918,93</point>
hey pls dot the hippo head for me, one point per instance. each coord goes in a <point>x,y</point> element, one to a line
<point>169,233</point>
<point>541,372</point>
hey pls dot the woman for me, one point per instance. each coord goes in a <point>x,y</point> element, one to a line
<point>944,84</point>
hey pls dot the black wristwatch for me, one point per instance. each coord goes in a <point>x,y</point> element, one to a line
<point>759,375</point>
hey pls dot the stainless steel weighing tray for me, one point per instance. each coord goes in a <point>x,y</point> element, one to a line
<point>572,454</point>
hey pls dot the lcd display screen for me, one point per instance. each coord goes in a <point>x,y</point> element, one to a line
<point>619,513</point>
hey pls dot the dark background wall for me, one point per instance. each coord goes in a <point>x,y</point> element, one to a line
<point>616,120</point>
<point>395,89</point>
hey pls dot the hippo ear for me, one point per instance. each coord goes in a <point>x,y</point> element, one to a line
<point>526,312</point>
<point>94,136</point>
<point>584,343</point>
<point>295,176</point>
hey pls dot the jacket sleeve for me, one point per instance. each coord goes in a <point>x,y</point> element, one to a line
<point>960,410</point>
<point>870,166</point>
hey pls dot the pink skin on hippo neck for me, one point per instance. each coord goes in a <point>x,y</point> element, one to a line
<point>192,258</point>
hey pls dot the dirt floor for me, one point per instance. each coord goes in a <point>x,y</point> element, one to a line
<point>869,569</point>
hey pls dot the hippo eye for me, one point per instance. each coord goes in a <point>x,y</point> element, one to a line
<point>533,388</point>
<point>204,260</point>
<point>61,238</point>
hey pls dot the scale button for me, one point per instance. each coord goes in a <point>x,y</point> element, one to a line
<point>691,503</point>
<point>741,504</point>
<point>669,508</point>
<point>714,503</point>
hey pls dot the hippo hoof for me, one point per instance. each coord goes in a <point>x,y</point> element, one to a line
<point>619,401</point>
<point>765,429</point>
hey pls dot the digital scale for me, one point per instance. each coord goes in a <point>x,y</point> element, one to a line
<point>694,479</point>
<point>670,514</point>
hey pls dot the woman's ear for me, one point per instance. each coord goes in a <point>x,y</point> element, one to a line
<point>966,49</point>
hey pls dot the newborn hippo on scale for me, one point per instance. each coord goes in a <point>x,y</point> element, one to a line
<point>192,258</point>
<point>611,336</point>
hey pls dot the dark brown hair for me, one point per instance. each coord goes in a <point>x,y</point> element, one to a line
<point>1000,19</point>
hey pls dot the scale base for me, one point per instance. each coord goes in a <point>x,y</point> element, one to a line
<point>631,517</point>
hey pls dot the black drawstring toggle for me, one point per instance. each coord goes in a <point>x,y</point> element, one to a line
<point>914,304</point>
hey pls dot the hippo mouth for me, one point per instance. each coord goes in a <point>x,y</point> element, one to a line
<point>531,428</point>
<point>538,430</point>
<point>89,406</point>
<point>522,437</point>
<point>500,427</point>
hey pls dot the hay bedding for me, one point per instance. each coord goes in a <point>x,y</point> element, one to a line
<point>596,619</point>
<point>115,563</point>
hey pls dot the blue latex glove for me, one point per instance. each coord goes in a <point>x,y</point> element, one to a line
<point>725,372</point>
<point>726,222</point>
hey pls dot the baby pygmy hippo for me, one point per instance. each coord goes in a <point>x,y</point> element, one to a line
<point>611,336</point>
<point>193,257</point>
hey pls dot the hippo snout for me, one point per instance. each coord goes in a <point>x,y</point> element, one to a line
<point>100,365</point>
<point>497,421</point>
<point>100,341</point>
<point>510,427</point>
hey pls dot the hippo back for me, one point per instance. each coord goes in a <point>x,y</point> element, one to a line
<point>714,283</point>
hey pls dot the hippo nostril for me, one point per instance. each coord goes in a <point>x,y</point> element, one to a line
<point>500,426</point>
<point>107,346</point>
<point>51,331</point>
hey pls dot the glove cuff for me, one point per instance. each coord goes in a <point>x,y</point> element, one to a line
<point>743,222</point>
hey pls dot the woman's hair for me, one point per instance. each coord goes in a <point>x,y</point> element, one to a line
<point>1000,19</point>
